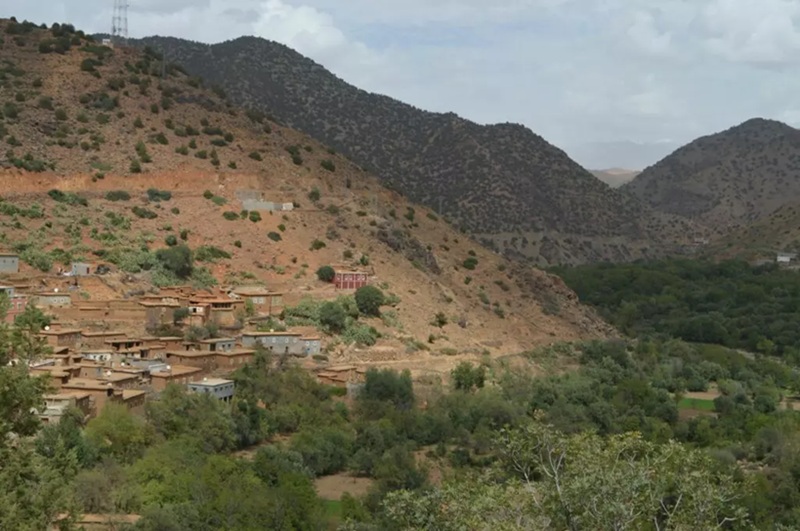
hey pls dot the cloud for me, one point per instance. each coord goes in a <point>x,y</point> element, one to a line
<point>575,71</point>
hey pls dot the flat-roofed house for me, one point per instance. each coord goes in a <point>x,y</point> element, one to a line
<point>277,342</point>
<point>218,344</point>
<point>202,359</point>
<point>62,337</point>
<point>57,404</point>
<point>9,263</point>
<point>177,374</point>
<point>92,339</point>
<point>233,359</point>
<point>52,299</point>
<point>159,312</point>
<point>263,300</point>
<point>216,387</point>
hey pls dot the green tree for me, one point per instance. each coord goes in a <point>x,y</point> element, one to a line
<point>369,300</point>
<point>177,259</point>
<point>118,433</point>
<point>326,273</point>
<point>332,316</point>
<point>467,377</point>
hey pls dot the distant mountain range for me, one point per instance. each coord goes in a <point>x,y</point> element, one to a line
<point>624,154</point>
<point>615,177</point>
<point>503,184</point>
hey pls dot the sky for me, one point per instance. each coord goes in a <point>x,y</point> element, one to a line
<point>612,82</point>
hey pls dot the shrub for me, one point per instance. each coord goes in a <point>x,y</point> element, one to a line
<point>175,210</point>
<point>185,234</point>
<point>118,195</point>
<point>314,194</point>
<point>156,195</point>
<point>154,108</point>
<point>470,263</point>
<point>316,245</point>
<point>161,138</point>
<point>369,300</point>
<point>254,216</point>
<point>332,317</point>
<point>137,123</point>
<point>68,198</point>
<point>238,244</point>
<point>274,236</point>
<point>141,150</point>
<point>219,201</point>
<point>255,155</point>
<point>202,154</point>
<point>282,227</point>
<point>171,240</point>
<point>46,102</point>
<point>219,142</point>
<point>135,166</point>
<point>230,215</point>
<point>328,165</point>
<point>144,213</point>
<point>207,194</point>
<point>182,150</point>
<point>326,273</point>
<point>209,253</point>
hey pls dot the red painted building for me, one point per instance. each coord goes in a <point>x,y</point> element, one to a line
<point>350,279</point>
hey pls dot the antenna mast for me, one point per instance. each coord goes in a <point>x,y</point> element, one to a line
<point>119,21</point>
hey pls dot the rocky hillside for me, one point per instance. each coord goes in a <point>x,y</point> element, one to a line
<point>501,183</point>
<point>113,155</point>
<point>728,180</point>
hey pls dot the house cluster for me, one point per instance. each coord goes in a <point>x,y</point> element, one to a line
<point>89,369</point>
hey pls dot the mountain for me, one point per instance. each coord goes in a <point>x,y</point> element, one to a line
<point>503,184</point>
<point>114,155</point>
<point>727,180</point>
<point>615,177</point>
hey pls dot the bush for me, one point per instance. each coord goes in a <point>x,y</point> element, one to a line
<point>144,213</point>
<point>314,195</point>
<point>470,263</point>
<point>333,317</point>
<point>161,138</point>
<point>118,195</point>
<point>135,166</point>
<point>156,195</point>
<point>207,194</point>
<point>328,165</point>
<point>316,245</point>
<point>171,240</point>
<point>182,150</point>
<point>46,102</point>
<point>68,198</point>
<point>274,236</point>
<point>185,234</point>
<point>369,300</point>
<point>137,123</point>
<point>254,216</point>
<point>209,253</point>
<point>230,215</point>
<point>61,115</point>
<point>255,155</point>
<point>326,273</point>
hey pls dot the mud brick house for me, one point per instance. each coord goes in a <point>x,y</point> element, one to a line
<point>350,279</point>
<point>57,404</point>
<point>159,313</point>
<point>9,263</point>
<point>177,374</point>
<point>97,339</point>
<point>264,301</point>
<point>216,387</point>
<point>219,344</point>
<point>64,337</point>
<point>234,359</point>
<point>219,310</point>
<point>98,355</point>
<point>204,360</point>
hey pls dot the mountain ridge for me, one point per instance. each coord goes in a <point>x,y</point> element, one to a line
<point>502,183</point>
<point>728,179</point>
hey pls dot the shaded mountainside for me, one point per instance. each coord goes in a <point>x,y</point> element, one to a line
<point>727,180</point>
<point>113,155</point>
<point>502,183</point>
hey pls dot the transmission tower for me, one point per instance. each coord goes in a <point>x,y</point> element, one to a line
<point>119,21</point>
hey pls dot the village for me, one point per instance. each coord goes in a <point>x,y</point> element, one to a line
<point>104,351</point>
